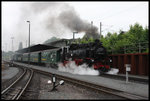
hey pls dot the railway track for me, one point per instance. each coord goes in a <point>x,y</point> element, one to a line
<point>16,89</point>
<point>96,87</point>
<point>5,83</point>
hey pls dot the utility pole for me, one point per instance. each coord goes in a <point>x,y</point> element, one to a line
<point>74,36</point>
<point>12,43</point>
<point>91,27</point>
<point>26,43</point>
<point>76,28</point>
<point>100,29</point>
<point>6,47</point>
<point>29,43</point>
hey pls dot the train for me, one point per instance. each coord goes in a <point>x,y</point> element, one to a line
<point>93,54</point>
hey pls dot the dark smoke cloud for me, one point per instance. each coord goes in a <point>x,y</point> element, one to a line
<point>71,20</point>
<point>61,17</point>
<point>40,7</point>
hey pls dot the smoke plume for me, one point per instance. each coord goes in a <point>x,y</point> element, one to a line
<point>47,20</point>
<point>58,18</point>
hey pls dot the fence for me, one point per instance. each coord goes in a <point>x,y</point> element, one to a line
<point>139,63</point>
<point>132,48</point>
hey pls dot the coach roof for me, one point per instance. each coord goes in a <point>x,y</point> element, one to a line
<point>38,47</point>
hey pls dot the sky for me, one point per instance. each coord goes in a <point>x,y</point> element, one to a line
<point>46,22</point>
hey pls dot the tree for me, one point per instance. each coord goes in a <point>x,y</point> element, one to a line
<point>138,32</point>
<point>51,40</point>
<point>131,38</point>
<point>90,40</point>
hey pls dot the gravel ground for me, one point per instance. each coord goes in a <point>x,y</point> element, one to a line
<point>9,75</point>
<point>131,87</point>
<point>69,91</point>
<point>39,89</point>
<point>9,72</point>
<point>32,91</point>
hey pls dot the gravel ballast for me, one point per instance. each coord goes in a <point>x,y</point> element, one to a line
<point>69,91</point>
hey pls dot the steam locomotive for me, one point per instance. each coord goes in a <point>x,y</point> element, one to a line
<point>93,54</point>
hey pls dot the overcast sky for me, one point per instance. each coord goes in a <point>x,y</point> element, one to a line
<point>114,16</point>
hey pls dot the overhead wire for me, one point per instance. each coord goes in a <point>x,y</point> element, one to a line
<point>122,11</point>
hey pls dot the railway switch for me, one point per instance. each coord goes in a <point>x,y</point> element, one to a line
<point>54,82</point>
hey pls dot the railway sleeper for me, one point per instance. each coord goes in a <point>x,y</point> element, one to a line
<point>30,91</point>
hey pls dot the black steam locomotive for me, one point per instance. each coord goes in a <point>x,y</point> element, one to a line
<point>93,54</point>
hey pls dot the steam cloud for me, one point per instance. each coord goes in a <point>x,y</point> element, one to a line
<point>83,69</point>
<point>113,71</point>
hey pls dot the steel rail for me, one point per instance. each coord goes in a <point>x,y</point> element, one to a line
<point>5,90</point>
<point>7,82</point>
<point>20,91</point>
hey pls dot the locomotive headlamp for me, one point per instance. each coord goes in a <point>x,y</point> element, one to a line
<point>110,60</point>
<point>92,60</point>
<point>71,54</point>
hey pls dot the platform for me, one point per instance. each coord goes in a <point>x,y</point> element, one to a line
<point>9,73</point>
<point>141,79</point>
<point>130,87</point>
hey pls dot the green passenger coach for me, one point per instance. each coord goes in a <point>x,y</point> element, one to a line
<point>25,57</point>
<point>50,57</point>
<point>17,57</point>
<point>35,57</point>
<point>39,55</point>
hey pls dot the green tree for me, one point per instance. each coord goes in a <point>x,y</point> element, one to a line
<point>137,32</point>
<point>135,35</point>
<point>51,40</point>
<point>90,40</point>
